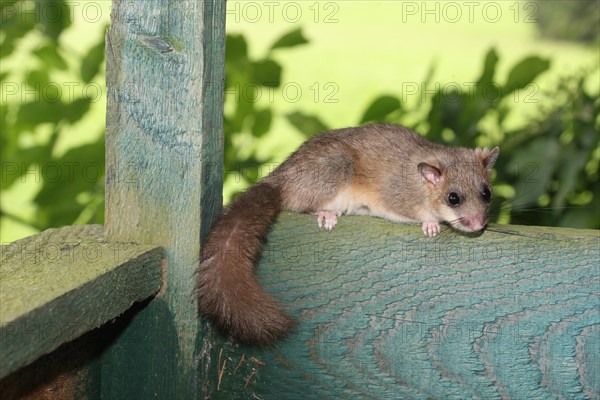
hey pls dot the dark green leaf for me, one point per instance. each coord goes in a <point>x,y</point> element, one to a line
<point>45,111</point>
<point>16,23</point>
<point>237,75</point>
<point>244,109</point>
<point>380,108</point>
<point>79,170</point>
<point>489,69</point>
<point>449,111</point>
<point>429,75</point>
<point>17,165</point>
<point>37,112</point>
<point>581,217</point>
<point>91,63</point>
<point>54,16</point>
<point>533,168</point>
<point>262,122</point>
<point>8,5</point>
<point>50,56</point>
<point>38,79</point>
<point>309,125</point>
<point>76,110</point>
<point>524,73</point>
<point>290,39</point>
<point>572,167</point>
<point>236,48</point>
<point>267,73</point>
<point>6,47</point>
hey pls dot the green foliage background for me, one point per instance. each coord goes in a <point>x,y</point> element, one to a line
<point>547,174</point>
<point>48,100</point>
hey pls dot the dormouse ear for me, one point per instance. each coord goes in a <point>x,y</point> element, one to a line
<point>430,173</point>
<point>488,157</point>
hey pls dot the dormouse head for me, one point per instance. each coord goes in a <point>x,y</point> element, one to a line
<point>460,185</point>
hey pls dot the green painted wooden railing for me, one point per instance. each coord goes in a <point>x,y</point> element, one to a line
<point>383,312</point>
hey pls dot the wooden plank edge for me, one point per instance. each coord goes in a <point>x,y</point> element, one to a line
<point>59,321</point>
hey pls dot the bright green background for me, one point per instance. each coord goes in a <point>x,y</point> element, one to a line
<point>356,51</point>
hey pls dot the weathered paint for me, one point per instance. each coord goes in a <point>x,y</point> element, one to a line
<point>164,163</point>
<point>61,283</point>
<point>386,313</point>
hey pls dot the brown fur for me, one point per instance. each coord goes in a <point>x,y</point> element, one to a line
<point>369,170</point>
<point>227,288</point>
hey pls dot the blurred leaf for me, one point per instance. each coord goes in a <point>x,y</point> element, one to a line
<point>267,73</point>
<point>262,122</point>
<point>290,39</point>
<point>244,109</point>
<point>430,73</point>
<point>15,25</point>
<point>524,73</point>
<point>35,113</point>
<point>570,169</point>
<point>8,139</point>
<point>91,63</point>
<point>39,112</point>
<point>309,125</point>
<point>77,109</point>
<point>448,112</point>
<point>534,167</point>
<point>7,6</point>
<point>80,170</point>
<point>569,20</point>
<point>15,166</point>
<point>236,48</point>
<point>37,79</point>
<point>489,69</point>
<point>380,108</point>
<point>49,55</point>
<point>54,16</point>
<point>503,111</point>
<point>582,217</point>
<point>238,69</point>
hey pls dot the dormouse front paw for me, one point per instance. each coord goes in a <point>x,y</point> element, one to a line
<point>431,228</point>
<point>327,219</point>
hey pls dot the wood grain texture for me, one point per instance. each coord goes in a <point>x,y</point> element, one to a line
<point>61,283</point>
<point>164,163</point>
<point>386,313</point>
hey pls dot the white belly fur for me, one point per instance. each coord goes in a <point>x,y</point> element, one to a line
<point>349,202</point>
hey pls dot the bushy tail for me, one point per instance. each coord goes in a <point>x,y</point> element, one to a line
<point>227,288</point>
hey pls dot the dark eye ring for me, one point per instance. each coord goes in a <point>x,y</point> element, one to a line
<point>486,194</point>
<point>453,199</point>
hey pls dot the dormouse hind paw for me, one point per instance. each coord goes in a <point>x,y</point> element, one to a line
<point>431,228</point>
<point>327,219</point>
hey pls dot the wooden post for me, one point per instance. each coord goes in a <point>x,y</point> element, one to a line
<point>164,157</point>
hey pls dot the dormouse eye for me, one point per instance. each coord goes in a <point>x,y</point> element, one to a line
<point>453,199</point>
<point>486,195</point>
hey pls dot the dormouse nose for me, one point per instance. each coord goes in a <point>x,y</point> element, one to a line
<point>475,222</point>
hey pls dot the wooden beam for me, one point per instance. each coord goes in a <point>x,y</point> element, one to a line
<point>164,166</point>
<point>386,313</point>
<point>62,283</point>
